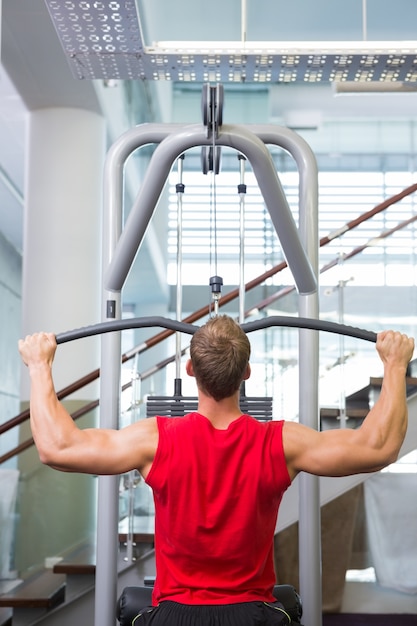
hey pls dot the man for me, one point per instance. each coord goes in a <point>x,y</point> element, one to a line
<point>217,476</point>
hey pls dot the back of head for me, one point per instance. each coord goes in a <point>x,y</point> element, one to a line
<point>220,352</point>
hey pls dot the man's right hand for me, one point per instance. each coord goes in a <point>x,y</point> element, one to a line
<point>38,349</point>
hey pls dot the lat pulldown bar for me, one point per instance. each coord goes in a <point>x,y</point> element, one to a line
<point>190,329</point>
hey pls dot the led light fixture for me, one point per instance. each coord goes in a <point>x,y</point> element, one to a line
<point>104,40</point>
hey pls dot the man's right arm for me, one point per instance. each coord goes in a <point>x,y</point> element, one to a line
<point>377,442</point>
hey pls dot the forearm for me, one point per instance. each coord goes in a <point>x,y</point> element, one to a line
<point>385,426</point>
<point>52,427</point>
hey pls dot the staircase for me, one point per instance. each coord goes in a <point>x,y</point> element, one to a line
<point>65,593</point>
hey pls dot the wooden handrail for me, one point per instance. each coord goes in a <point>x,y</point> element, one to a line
<point>349,255</point>
<point>63,393</point>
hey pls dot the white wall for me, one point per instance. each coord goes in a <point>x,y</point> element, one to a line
<point>10,312</point>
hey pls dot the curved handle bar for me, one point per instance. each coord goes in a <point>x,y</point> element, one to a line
<point>312,324</point>
<point>134,322</point>
<point>164,322</point>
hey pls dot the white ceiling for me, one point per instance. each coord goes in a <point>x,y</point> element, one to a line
<point>35,73</point>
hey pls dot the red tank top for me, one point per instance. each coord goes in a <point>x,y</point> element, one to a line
<point>217,494</point>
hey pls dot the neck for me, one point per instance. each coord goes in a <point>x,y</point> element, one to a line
<point>220,413</point>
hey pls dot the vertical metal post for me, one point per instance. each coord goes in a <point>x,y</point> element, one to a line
<point>341,306</point>
<point>108,501</point>
<point>180,192</point>
<point>244,21</point>
<point>242,193</point>
<point>309,486</point>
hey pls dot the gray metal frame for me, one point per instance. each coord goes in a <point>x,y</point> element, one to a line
<point>120,247</point>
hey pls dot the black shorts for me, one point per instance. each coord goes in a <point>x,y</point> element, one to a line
<point>258,613</point>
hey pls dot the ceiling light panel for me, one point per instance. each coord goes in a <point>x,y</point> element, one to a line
<point>103,40</point>
<point>100,39</point>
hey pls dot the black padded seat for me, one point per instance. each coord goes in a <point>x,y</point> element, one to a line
<point>133,599</point>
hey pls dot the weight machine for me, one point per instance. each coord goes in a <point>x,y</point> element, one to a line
<point>120,246</point>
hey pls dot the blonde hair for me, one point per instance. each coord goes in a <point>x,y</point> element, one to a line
<point>219,352</point>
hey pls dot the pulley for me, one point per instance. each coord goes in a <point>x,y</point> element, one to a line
<point>212,99</point>
<point>210,159</point>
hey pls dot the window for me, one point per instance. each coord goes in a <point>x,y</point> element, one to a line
<point>374,257</point>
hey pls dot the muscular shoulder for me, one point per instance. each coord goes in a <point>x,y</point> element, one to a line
<point>142,437</point>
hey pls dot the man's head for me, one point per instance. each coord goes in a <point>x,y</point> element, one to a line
<point>219,352</point>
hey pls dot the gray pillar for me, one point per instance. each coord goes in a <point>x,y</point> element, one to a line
<point>61,290</point>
